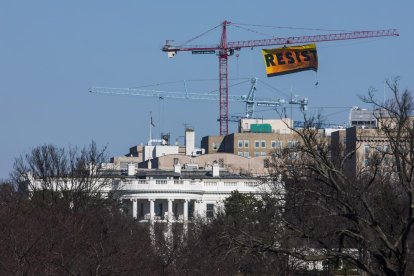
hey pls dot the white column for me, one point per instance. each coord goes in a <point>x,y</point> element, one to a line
<point>151,209</point>
<point>170,211</point>
<point>198,208</point>
<point>185,211</point>
<point>134,208</point>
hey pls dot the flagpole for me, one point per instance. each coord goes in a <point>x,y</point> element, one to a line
<point>150,130</point>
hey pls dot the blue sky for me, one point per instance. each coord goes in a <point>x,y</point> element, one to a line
<point>52,51</point>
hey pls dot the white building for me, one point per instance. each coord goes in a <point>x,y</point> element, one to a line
<point>151,195</point>
<point>179,195</point>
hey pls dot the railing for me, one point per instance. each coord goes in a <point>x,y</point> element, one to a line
<point>143,185</point>
<point>210,183</point>
<point>230,184</point>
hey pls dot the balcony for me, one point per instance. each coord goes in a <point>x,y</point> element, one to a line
<point>191,186</point>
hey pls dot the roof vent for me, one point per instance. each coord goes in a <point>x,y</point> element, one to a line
<point>131,169</point>
<point>177,168</point>
<point>216,169</point>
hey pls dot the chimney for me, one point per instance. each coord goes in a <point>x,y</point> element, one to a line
<point>216,169</point>
<point>189,141</point>
<point>177,168</point>
<point>131,169</point>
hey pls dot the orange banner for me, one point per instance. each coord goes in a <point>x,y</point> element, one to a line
<point>292,59</point>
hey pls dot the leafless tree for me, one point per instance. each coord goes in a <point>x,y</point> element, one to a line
<point>63,226</point>
<point>69,173</point>
<point>365,218</point>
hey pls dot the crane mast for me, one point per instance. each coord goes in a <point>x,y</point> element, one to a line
<point>224,85</point>
<point>226,49</point>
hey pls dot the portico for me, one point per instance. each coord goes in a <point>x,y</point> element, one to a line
<point>171,196</point>
<point>161,209</point>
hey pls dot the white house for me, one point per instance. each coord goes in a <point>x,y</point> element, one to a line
<point>179,195</point>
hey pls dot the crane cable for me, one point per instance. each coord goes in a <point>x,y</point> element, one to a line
<point>275,89</point>
<point>253,31</point>
<point>290,28</point>
<point>215,90</point>
<point>239,25</point>
<point>200,35</point>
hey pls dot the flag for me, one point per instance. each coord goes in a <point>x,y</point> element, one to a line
<point>291,59</point>
<point>152,123</point>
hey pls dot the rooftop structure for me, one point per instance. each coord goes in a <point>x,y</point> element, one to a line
<point>364,118</point>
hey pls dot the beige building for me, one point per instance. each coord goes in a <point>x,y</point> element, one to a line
<point>256,166</point>
<point>249,144</point>
<point>365,142</point>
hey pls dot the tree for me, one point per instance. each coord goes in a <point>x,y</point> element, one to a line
<point>58,222</point>
<point>364,218</point>
<point>213,247</point>
<point>72,174</point>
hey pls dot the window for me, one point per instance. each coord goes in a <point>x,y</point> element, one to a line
<point>292,144</point>
<point>263,153</point>
<point>256,143</point>
<point>276,144</point>
<point>387,159</point>
<point>175,161</point>
<point>256,153</point>
<point>210,210</point>
<point>293,155</point>
<point>366,155</point>
<point>246,154</point>
<point>158,211</point>
<point>366,150</point>
<point>240,153</point>
<point>191,209</point>
<point>263,144</point>
<point>175,211</point>
<point>243,143</point>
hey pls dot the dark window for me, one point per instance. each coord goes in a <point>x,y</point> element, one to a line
<point>159,212</point>
<point>210,211</point>
<point>191,209</point>
<point>175,211</point>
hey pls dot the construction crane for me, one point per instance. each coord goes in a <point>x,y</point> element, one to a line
<point>225,49</point>
<point>249,99</point>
